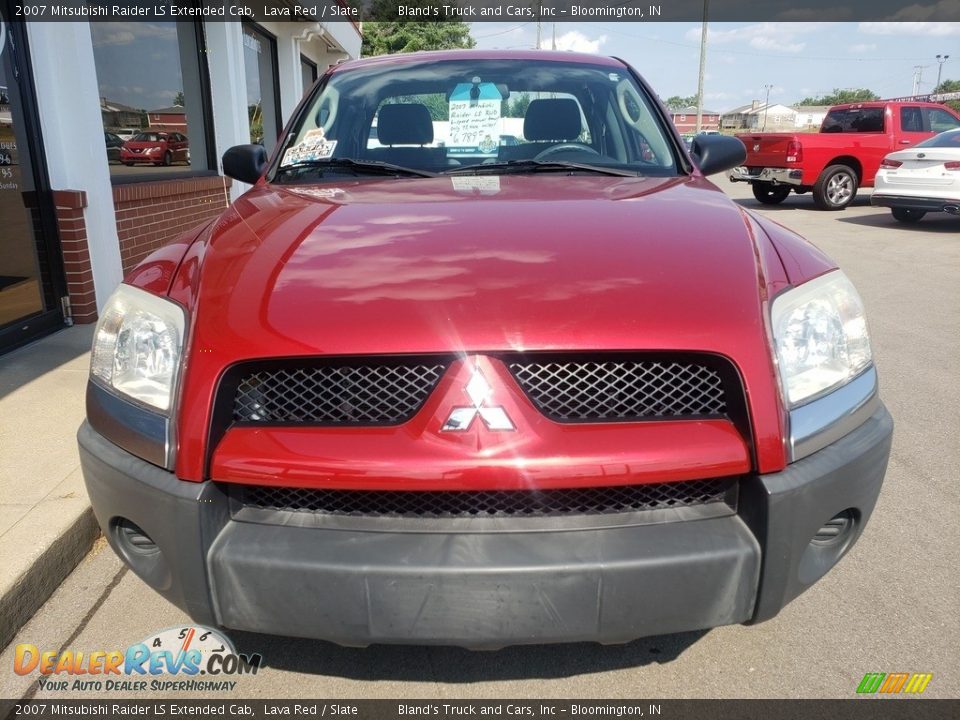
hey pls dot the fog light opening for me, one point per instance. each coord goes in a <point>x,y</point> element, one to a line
<point>141,552</point>
<point>133,538</point>
<point>837,530</point>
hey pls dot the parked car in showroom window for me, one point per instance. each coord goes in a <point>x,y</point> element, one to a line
<point>114,143</point>
<point>486,393</point>
<point>155,148</point>
<point>922,179</point>
<point>127,133</point>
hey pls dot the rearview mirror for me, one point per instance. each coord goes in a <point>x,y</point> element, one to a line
<point>716,153</point>
<point>245,163</point>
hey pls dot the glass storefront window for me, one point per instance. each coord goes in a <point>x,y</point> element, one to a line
<point>31,267</point>
<point>151,96</point>
<point>260,68</point>
<point>308,71</point>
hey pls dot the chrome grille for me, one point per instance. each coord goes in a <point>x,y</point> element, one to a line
<point>482,503</point>
<point>620,390</point>
<point>363,394</point>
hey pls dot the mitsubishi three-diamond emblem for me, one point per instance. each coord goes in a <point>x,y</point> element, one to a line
<point>479,391</point>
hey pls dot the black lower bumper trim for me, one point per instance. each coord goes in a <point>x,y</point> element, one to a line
<point>609,585</point>
<point>907,202</point>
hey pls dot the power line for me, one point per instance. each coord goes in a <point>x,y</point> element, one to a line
<point>501,32</point>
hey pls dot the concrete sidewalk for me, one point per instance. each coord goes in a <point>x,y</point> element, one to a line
<point>46,524</point>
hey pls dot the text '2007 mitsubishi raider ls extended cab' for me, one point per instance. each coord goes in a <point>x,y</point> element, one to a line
<point>434,387</point>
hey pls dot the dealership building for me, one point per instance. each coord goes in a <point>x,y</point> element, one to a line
<point>110,140</point>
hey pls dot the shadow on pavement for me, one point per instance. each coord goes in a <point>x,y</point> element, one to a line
<point>25,364</point>
<point>932,223</point>
<point>456,665</point>
<point>800,202</point>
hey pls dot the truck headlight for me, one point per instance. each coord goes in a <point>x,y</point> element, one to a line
<point>820,337</point>
<point>137,347</point>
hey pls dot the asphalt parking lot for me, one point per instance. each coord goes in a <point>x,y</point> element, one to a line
<point>892,605</point>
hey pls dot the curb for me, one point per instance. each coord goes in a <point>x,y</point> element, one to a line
<point>37,582</point>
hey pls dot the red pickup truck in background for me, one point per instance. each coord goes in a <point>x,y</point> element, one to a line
<point>844,156</point>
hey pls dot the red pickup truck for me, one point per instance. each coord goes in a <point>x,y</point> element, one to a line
<point>844,156</point>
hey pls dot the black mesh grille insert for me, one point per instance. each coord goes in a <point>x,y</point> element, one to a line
<point>618,390</point>
<point>367,394</point>
<point>507,503</point>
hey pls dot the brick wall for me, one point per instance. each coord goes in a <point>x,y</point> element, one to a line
<point>151,214</point>
<point>76,255</point>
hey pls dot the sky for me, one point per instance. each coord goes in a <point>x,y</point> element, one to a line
<point>138,62</point>
<point>799,59</point>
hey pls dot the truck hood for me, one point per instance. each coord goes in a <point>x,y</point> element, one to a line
<point>474,266</point>
<point>480,263</point>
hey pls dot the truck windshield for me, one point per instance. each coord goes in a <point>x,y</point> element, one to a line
<point>452,115</point>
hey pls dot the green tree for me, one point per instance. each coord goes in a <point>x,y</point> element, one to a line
<point>680,102</point>
<point>390,33</point>
<point>840,97</point>
<point>519,105</point>
<point>178,98</point>
<point>948,86</point>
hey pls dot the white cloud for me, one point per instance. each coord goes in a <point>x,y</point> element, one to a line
<point>578,42</point>
<point>932,29</point>
<point>778,37</point>
<point>861,48</point>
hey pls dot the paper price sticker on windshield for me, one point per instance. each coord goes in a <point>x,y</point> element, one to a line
<point>312,148</point>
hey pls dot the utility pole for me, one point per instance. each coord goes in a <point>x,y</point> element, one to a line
<point>703,63</point>
<point>766,107</point>
<point>941,59</point>
<point>539,7</point>
<point>918,78</point>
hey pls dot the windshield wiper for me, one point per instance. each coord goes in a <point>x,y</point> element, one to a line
<point>520,166</point>
<point>376,167</point>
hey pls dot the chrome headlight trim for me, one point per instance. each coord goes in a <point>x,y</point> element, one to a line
<point>822,422</point>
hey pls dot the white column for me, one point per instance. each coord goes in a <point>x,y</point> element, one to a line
<point>72,129</point>
<point>228,89</point>
<point>288,69</point>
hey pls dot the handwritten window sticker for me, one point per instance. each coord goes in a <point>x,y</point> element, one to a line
<point>475,123</point>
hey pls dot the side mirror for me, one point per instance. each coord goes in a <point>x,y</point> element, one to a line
<point>716,153</point>
<point>245,163</point>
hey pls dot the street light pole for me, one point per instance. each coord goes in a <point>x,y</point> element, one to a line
<point>940,59</point>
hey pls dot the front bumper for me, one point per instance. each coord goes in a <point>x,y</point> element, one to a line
<point>487,589</point>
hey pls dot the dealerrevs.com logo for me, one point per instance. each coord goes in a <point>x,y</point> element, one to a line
<point>197,658</point>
